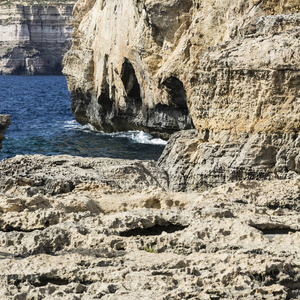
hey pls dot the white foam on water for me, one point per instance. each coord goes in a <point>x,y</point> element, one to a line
<point>136,136</point>
<point>145,138</point>
<point>139,137</point>
<point>71,125</point>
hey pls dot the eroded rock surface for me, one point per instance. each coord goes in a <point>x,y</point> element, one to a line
<point>245,106</point>
<point>82,228</point>
<point>4,123</point>
<point>237,241</point>
<point>197,161</point>
<point>232,65</point>
<point>34,36</point>
<point>62,174</point>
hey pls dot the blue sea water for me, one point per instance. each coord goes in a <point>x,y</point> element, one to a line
<point>42,123</point>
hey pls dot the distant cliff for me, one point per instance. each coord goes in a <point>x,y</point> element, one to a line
<point>34,37</point>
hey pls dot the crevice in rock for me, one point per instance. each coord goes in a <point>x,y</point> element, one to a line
<point>162,273</point>
<point>155,230</point>
<point>293,288</point>
<point>104,100</point>
<point>269,229</point>
<point>278,231</point>
<point>292,206</point>
<point>10,228</point>
<point>44,280</point>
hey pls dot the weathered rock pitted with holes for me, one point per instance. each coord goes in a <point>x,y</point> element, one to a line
<point>115,229</point>
<point>237,241</point>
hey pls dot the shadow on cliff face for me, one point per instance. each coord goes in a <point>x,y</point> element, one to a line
<point>5,121</point>
<point>79,101</point>
<point>160,120</point>
<point>132,87</point>
<point>176,91</point>
<point>132,98</point>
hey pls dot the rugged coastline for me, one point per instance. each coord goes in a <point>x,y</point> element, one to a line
<point>220,67</point>
<point>218,216</point>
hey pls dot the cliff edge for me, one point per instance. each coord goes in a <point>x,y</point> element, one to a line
<point>200,223</point>
<point>245,105</point>
<point>231,69</point>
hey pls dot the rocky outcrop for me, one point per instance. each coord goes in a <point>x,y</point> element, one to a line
<point>61,174</point>
<point>195,162</point>
<point>112,65</point>
<point>246,109</point>
<point>141,64</point>
<point>84,228</point>
<point>234,66</point>
<point>34,37</point>
<point>200,223</point>
<point>4,123</point>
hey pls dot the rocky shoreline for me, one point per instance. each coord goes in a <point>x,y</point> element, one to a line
<point>228,69</point>
<point>218,216</point>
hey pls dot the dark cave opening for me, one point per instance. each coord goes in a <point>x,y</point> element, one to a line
<point>105,101</point>
<point>131,84</point>
<point>176,91</point>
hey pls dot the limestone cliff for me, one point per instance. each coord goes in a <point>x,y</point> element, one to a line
<point>4,123</point>
<point>34,37</point>
<point>245,107</point>
<point>139,64</point>
<point>112,68</point>
<point>232,66</point>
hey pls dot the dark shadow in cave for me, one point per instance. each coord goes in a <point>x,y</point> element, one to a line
<point>131,85</point>
<point>176,91</point>
<point>104,99</point>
